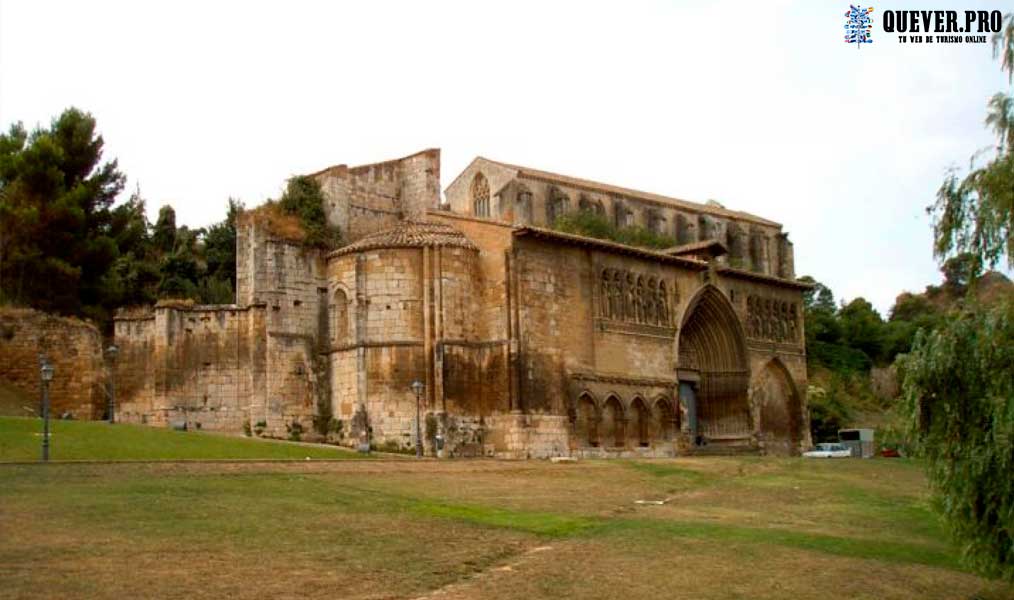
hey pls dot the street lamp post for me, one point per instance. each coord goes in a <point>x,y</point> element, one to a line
<point>418,387</point>
<point>46,371</point>
<point>112,351</point>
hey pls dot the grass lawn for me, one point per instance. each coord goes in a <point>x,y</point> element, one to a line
<point>756,528</point>
<point>21,440</point>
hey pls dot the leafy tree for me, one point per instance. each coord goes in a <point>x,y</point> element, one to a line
<point>958,386</point>
<point>819,297</point>
<point>975,214</point>
<point>164,234</point>
<point>829,410</point>
<point>220,245</point>
<point>55,219</point>
<point>134,277</point>
<point>959,270</point>
<point>958,380</point>
<point>862,327</point>
<point>819,314</point>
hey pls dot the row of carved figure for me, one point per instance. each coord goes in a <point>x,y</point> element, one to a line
<point>770,319</point>
<point>627,296</point>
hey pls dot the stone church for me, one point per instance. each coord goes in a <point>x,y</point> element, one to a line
<point>530,342</point>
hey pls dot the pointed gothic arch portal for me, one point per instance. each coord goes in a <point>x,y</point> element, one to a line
<point>780,410</point>
<point>713,362</point>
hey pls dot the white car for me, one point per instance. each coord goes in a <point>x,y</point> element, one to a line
<point>828,451</point>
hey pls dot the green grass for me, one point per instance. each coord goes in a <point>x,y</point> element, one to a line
<point>731,528</point>
<point>21,440</point>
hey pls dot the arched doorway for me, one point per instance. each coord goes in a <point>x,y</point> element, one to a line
<point>713,368</point>
<point>780,411</point>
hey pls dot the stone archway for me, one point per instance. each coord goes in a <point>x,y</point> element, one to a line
<point>713,360</point>
<point>777,401</point>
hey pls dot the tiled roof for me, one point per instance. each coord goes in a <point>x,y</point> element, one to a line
<point>410,234</point>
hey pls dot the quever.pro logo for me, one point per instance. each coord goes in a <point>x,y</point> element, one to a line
<point>858,25</point>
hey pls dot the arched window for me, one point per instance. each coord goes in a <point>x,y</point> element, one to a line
<point>523,210</point>
<point>590,205</point>
<point>655,221</point>
<point>556,206</point>
<point>480,195</point>
<point>339,317</point>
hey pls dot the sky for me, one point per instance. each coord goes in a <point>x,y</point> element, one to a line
<point>759,105</point>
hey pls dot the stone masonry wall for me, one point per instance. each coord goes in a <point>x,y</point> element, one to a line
<point>73,347</point>
<point>365,199</point>
<point>195,365</point>
<point>754,244</point>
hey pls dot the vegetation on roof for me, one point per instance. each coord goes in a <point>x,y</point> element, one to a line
<point>298,216</point>
<point>591,224</point>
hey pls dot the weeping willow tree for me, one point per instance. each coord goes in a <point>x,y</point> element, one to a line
<point>959,392</point>
<point>958,379</point>
<point>975,214</point>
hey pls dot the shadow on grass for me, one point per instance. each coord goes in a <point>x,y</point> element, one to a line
<point>561,526</point>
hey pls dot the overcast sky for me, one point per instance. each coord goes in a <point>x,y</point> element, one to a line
<point>759,105</point>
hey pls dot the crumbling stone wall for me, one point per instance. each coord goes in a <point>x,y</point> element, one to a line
<point>72,346</point>
<point>195,364</point>
<point>365,199</point>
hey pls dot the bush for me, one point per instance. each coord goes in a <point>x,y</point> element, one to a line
<point>295,430</point>
<point>590,224</point>
<point>828,412</point>
<point>304,199</point>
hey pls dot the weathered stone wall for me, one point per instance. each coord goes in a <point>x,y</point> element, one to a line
<point>290,282</point>
<point>73,347</point>
<point>486,311</point>
<point>368,198</point>
<point>528,344</point>
<point>755,244</point>
<point>772,318</point>
<point>406,307</point>
<point>198,365</point>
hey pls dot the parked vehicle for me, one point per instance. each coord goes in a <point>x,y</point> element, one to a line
<point>829,450</point>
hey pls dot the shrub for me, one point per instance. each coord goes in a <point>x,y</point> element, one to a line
<point>590,224</point>
<point>295,430</point>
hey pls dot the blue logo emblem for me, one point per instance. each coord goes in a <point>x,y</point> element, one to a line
<point>858,25</point>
